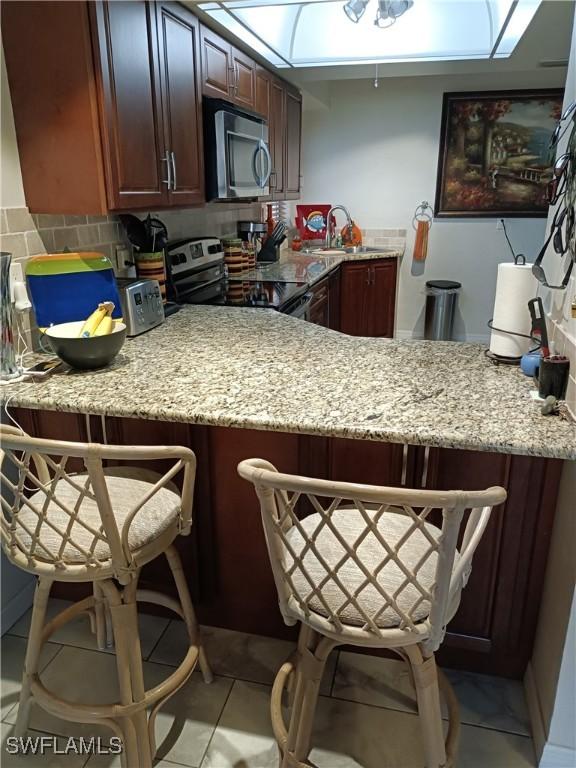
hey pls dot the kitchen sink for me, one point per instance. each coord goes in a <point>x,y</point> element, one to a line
<point>350,249</point>
<point>364,249</point>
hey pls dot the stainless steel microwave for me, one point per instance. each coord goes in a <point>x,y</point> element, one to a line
<point>237,158</point>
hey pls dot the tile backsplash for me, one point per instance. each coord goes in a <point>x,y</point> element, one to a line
<point>24,234</point>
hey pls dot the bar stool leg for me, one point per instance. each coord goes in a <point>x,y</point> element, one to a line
<point>100,617</point>
<point>124,615</point>
<point>175,564</point>
<point>33,648</point>
<point>428,697</point>
<point>313,652</point>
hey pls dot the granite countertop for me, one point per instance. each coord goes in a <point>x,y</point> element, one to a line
<point>295,266</point>
<point>258,369</point>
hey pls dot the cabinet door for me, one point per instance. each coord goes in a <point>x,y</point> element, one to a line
<point>276,133</point>
<point>244,90</point>
<point>217,65</point>
<point>320,307</point>
<point>262,97</point>
<point>365,461</point>
<point>178,44</point>
<point>125,38</point>
<point>381,298</point>
<point>355,283</point>
<point>494,627</point>
<point>293,143</point>
<point>334,284</point>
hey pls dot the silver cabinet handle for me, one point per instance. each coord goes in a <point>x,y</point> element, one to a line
<point>368,276</point>
<point>425,464</point>
<point>167,159</point>
<point>232,84</point>
<point>237,72</point>
<point>173,163</point>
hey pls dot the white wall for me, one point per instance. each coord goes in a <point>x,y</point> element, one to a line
<point>376,151</point>
<point>551,675</point>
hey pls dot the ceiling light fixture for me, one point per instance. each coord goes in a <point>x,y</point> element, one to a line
<point>387,13</point>
<point>354,9</point>
<point>390,10</point>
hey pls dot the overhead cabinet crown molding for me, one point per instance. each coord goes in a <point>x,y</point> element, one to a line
<point>112,120</point>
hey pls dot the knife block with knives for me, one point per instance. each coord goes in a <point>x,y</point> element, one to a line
<point>270,251</point>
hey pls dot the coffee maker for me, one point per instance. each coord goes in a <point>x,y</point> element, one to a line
<point>252,232</point>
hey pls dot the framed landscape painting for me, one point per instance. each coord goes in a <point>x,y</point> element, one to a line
<point>494,153</point>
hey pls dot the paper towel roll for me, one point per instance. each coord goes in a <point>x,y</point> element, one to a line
<point>515,286</point>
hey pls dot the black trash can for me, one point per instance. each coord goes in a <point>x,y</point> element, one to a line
<point>441,300</point>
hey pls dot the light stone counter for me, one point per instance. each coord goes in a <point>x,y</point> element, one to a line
<point>295,266</point>
<point>255,368</point>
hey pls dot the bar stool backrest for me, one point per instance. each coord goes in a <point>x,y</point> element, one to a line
<point>279,494</point>
<point>40,482</point>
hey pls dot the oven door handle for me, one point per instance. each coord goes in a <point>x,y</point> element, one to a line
<point>300,308</point>
<point>262,180</point>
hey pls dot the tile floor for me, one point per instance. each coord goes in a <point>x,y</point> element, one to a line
<point>366,716</point>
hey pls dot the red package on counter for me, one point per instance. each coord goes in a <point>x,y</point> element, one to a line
<point>311,221</point>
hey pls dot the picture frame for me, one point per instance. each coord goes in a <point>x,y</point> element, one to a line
<point>494,160</point>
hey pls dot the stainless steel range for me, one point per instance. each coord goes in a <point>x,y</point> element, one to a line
<point>192,264</point>
<point>197,275</point>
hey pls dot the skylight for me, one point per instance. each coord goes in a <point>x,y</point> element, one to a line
<point>319,33</point>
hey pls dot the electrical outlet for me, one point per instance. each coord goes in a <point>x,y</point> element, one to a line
<point>16,276</point>
<point>124,261</point>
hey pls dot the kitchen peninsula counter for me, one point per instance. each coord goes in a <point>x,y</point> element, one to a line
<point>257,369</point>
<point>236,382</point>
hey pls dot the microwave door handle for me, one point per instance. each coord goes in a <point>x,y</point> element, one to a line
<point>262,180</point>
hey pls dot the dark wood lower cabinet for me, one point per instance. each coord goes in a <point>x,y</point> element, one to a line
<point>368,297</point>
<point>226,559</point>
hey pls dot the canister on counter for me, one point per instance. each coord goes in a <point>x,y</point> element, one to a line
<point>234,258</point>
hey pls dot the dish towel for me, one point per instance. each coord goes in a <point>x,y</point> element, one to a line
<point>421,242</point>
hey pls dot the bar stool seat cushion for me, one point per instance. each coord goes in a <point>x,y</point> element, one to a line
<point>417,553</point>
<point>126,486</point>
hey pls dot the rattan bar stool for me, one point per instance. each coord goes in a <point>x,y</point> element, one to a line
<point>365,567</point>
<point>100,525</point>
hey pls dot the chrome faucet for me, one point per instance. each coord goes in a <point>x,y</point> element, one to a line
<point>329,233</point>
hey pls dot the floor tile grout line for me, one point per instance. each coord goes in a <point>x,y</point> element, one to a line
<point>147,658</point>
<point>334,674</point>
<point>43,669</point>
<point>217,723</point>
<point>415,714</point>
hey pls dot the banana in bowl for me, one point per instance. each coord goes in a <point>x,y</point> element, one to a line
<point>86,352</point>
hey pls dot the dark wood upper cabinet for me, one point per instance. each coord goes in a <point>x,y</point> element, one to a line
<point>293,100</point>
<point>276,134</point>
<point>111,119</point>
<point>55,103</point>
<point>227,72</point>
<point>125,39</point>
<point>368,297</point>
<point>262,94</point>
<point>217,67</point>
<point>179,53</point>
<point>244,93</point>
